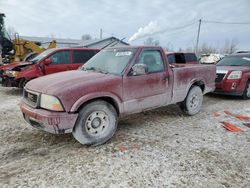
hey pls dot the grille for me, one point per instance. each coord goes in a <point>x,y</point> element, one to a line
<point>219,77</point>
<point>31,98</point>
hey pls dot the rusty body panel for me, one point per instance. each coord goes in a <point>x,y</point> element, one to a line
<point>129,94</point>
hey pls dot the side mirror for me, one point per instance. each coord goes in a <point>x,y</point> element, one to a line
<point>139,69</point>
<point>47,61</point>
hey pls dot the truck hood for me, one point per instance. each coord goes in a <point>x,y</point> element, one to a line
<point>59,83</point>
<point>14,65</point>
<point>233,68</point>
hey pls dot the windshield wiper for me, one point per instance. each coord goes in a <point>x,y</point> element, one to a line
<point>96,70</point>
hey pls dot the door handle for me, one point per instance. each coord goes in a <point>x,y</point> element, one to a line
<point>165,77</point>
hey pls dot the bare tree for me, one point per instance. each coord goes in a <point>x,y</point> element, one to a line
<point>151,41</point>
<point>169,47</point>
<point>205,49</point>
<point>190,49</point>
<point>230,46</point>
<point>86,37</point>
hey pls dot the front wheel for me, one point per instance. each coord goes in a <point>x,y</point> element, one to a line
<point>96,123</point>
<point>22,83</point>
<point>246,94</point>
<point>192,103</point>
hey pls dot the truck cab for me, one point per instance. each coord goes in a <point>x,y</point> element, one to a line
<point>48,62</point>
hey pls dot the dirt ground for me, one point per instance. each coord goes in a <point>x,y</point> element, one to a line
<point>159,148</point>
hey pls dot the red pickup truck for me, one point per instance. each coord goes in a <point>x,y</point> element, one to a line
<point>48,62</point>
<point>114,83</point>
<point>233,75</point>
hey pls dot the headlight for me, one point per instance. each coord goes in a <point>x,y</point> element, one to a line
<point>51,103</point>
<point>234,75</point>
<point>11,73</point>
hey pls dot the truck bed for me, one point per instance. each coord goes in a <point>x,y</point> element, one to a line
<point>186,74</point>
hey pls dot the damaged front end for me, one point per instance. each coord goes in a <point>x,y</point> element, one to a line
<point>9,77</point>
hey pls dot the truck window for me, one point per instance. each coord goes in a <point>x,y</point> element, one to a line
<point>61,57</point>
<point>180,58</point>
<point>153,60</point>
<point>82,56</point>
<point>190,57</point>
<point>171,59</point>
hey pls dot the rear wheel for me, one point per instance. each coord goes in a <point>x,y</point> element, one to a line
<point>96,123</point>
<point>246,94</point>
<point>192,104</point>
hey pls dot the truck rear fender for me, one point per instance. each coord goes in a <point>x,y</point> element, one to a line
<point>110,98</point>
<point>199,83</point>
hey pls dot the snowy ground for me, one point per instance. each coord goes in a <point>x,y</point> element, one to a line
<point>159,148</point>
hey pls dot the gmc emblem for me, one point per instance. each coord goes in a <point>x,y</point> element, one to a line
<point>30,97</point>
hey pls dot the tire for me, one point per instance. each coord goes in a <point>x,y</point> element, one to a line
<point>96,123</point>
<point>22,83</point>
<point>246,94</point>
<point>193,101</point>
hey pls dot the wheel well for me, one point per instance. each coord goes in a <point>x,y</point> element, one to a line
<point>107,99</point>
<point>200,84</point>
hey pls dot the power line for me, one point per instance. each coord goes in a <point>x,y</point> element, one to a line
<point>174,32</point>
<point>220,22</point>
<point>215,22</point>
<point>181,27</point>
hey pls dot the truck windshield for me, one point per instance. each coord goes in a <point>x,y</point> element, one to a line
<point>235,61</point>
<point>109,61</point>
<point>41,55</point>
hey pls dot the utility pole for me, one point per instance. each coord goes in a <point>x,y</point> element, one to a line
<point>100,33</point>
<point>198,37</point>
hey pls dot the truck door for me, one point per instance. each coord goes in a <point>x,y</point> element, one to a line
<point>60,61</point>
<point>150,90</point>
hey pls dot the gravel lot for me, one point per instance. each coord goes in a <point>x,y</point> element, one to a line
<point>159,148</point>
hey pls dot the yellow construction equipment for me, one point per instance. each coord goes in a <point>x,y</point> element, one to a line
<point>25,50</point>
<point>18,49</point>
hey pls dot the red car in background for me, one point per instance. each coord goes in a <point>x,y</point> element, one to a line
<point>48,62</point>
<point>233,75</point>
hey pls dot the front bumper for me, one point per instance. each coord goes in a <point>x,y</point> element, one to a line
<point>230,87</point>
<point>53,122</point>
<point>9,82</point>
<point>232,93</point>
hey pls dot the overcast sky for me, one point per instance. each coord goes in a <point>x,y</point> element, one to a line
<point>175,22</point>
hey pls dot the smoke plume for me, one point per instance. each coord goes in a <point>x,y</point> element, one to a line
<point>150,29</point>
